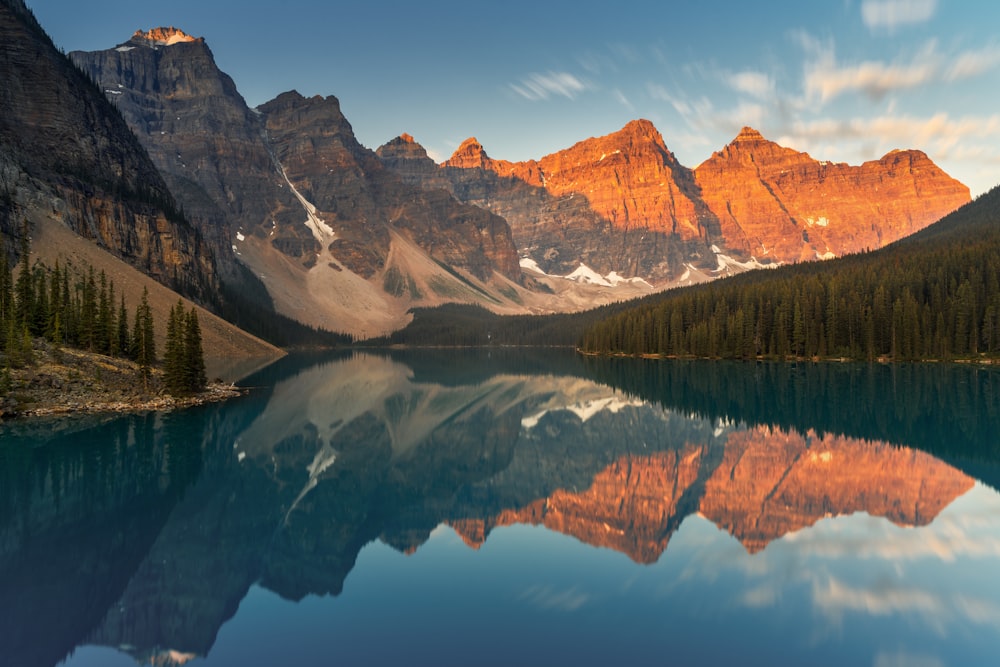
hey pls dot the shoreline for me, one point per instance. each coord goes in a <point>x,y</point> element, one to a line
<point>214,393</point>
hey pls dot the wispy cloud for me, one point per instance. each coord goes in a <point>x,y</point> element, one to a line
<point>825,78</point>
<point>891,14</point>
<point>973,63</point>
<point>874,79</point>
<point>538,86</point>
<point>756,84</point>
<point>939,133</point>
<point>623,100</point>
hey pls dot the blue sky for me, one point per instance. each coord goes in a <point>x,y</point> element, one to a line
<point>844,80</point>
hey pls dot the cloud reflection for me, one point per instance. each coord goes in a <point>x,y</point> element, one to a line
<point>545,597</point>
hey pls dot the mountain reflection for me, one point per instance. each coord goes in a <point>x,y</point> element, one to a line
<point>147,531</point>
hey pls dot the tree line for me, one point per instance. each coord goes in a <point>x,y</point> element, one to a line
<point>933,296</point>
<point>80,308</point>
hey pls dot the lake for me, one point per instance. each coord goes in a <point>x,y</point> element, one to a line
<point>515,507</point>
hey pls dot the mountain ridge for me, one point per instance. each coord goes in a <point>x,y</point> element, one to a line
<point>753,200</point>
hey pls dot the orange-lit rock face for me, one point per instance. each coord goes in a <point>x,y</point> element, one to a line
<point>627,192</point>
<point>778,203</point>
<point>768,484</point>
<point>629,178</point>
<point>633,506</point>
<point>164,36</point>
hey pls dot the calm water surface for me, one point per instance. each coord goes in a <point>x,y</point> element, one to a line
<point>515,508</point>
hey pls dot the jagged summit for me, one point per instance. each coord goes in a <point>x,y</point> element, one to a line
<point>469,154</point>
<point>747,133</point>
<point>164,36</point>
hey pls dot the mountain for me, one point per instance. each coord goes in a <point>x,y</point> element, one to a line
<point>340,237</point>
<point>623,206</point>
<point>779,203</point>
<point>934,295</point>
<point>286,190</point>
<point>67,154</point>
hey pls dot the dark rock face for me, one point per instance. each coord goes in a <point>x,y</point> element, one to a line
<point>624,203</point>
<point>209,145</point>
<point>65,150</point>
<point>259,172</point>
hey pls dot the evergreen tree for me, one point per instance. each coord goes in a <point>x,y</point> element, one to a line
<point>173,354</point>
<point>143,345</point>
<point>194,356</point>
<point>24,288</point>
<point>124,342</point>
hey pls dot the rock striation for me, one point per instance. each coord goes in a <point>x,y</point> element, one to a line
<point>287,190</point>
<point>779,203</point>
<point>66,153</point>
<point>624,203</point>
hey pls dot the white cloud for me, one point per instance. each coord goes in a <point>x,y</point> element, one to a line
<point>757,84</point>
<point>891,14</point>
<point>875,79</point>
<point>825,78</point>
<point>926,133</point>
<point>973,63</point>
<point>539,86</point>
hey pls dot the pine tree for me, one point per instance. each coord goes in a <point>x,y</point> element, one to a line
<point>194,356</point>
<point>24,289</point>
<point>143,345</point>
<point>124,342</point>
<point>173,354</point>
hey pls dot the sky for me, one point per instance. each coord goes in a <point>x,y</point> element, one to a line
<point>844,80</point>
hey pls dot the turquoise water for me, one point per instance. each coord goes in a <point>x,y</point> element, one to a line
<point>515,507</point>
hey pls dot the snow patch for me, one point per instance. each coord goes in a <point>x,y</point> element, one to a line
<point>124,49</point>
<point>108,91</point>
<point>240,237</point>
<point>822,221</point>
<point>321,231</point>
<point>826,255</point>
<point>531,265</point>
<point>585,274</point>
<point>716,249</point>
<point>586,410</point>
<point>726,264</point>
<point>617,280</point>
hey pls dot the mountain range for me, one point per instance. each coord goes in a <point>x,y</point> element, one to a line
<point>168,168</point>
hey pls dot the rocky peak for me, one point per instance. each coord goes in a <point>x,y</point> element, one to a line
<point>403,147</point>
<point>748,134</point>
<point>469,155</point>
<point>164,36</point>
<point>776,202</point>
<point>638,132</point>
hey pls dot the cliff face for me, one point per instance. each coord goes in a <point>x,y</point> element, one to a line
<point>67,153</point>
<point>287,190</point>
<point>618,203</point>
<point>624,203</point>
<point>198,129</point>
<point>362,202</point>
<point>778,203</point>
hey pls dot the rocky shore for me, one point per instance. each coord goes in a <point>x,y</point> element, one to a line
<point>65,381</point>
